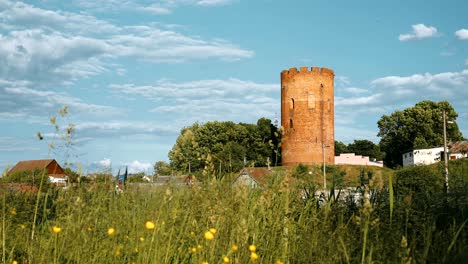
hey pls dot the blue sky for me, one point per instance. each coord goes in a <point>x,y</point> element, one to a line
<point>133,73</point>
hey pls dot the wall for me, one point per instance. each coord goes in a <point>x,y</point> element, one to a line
<point>352,159</point>
<point>422,156</point>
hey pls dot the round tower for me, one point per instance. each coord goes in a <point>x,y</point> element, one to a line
<point>307,116</point>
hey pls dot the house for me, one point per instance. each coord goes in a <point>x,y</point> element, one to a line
<point>353,159</point>
<point>456,150</point>
<point>422,156</point>
<point>252,177</point>
<point>50,166</point>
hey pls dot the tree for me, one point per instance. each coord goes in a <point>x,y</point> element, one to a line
<point>415,127</point>
<point>162,168</point>
<point>340,147</point>
<point>366,148</point>
<point>223,146</point>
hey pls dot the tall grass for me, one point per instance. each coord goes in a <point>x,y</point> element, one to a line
<point>284,226</point>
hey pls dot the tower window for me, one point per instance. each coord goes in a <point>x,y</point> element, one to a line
<point>311,100</point>
<point>291,125</point>
<point>291,104</point>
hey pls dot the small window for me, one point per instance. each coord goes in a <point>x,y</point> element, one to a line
<point>311,101</point>
<point>291,104</point>
<point>291,125</point>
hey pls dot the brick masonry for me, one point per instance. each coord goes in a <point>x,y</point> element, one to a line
<point>307,116</point>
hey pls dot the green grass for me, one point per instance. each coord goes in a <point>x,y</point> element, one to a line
<point>284,227</point>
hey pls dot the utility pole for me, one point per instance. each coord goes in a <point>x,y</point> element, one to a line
<point>324,168</point>
<point>445,152</point>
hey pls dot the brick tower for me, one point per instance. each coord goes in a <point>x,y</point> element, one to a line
<point>307,116</point>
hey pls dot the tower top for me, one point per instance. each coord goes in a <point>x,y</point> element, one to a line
<point>293,71</point>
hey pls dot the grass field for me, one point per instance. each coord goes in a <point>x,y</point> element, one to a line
<point>215,223</point>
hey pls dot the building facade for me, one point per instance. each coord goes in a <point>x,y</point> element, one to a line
<point>422,156</point>
<point>307,116</point>
<point>353,159</point>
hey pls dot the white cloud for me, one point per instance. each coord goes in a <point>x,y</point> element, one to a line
<point>462,34</point>
<point>12,144</point>
<point>355,90</point>
<point>166,89</point>
<point>123,128</point>
<point>161,7</point>
<point>138,166</point>
<point>420,31</point>
<point>45,46</point>
<point>213,2</point>
<point>106,162</point>
<point>391,93</point>
<point>37,55</point>
<point>29,102</point>
<point>204,100</point>
<point>18,15</point>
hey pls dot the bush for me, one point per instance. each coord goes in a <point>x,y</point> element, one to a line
<point>419,180</point>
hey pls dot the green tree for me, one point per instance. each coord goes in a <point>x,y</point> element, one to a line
<point>136,177</point>
<point>340,147</point>
<point>223,146</point>
<point>366,148</point>
<point>73,176</point>
<point>162,168</point>
<point>419,126</point>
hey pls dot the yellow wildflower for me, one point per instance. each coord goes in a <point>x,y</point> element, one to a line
<point>213,230</point>
<point>192,233</point>
<point>234,248</point>
<point>209,235</point>
<point>13,211</point>
<point>23,226</point>
<point>199,246</point>
<point>15,262</point>
<point>111,231</point>
<point>226,259</point>
<point>279,262</point>
<point>89,229</point>
<point>56,229</point>
<point>149,225</point>
<point>142,239</point>
<point>136,250</point>
<point>204,262</point>
<point>253,256</point>
<point>252,248</point>
<point>193,250</point>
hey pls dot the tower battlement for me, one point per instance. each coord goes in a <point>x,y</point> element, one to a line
<point>318,70</point>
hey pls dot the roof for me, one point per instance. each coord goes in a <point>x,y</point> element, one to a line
<point>259,175</point>
<point>459,147</point>
<point>31,165</point>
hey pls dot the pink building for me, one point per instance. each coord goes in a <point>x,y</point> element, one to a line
<point>352,159</point>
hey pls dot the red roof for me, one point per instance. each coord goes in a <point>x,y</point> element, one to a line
<point>52,167</point>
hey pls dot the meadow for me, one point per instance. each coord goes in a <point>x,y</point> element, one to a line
<point>407,218</point>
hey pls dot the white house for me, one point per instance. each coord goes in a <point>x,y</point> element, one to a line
<point>422,156</point>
